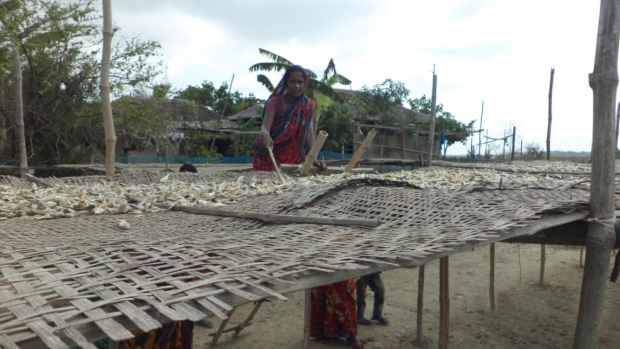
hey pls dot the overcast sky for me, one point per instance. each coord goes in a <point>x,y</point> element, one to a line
<point>493,50</point>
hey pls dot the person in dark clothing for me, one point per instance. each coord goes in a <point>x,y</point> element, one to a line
<point>187,167</point>
<point>376,285</point>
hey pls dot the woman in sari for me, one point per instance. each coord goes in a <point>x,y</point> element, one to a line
<point>287,123</point>
<point>288,128</point>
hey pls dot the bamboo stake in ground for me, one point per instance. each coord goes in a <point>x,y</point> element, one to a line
<point>275,165</point>
<point>420,315</point>
<point>19,115</point>
<point>444,302</point>
<point>492,277</point>
<point>361,150</point>
<point>601,236</point>
<point>581,256</point>
<point>543,258</point>
<point>220,330</point>
<point>106,105</point>
<point>249,319</point>
<point>431,131</point>
<point>549,123</point>
<point>316,148</point>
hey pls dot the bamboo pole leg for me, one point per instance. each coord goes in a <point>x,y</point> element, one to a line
<point>543,257</point>
<point>492,277</point>
<point>420,315</point>
<point>316,148</point>
<point>444,303</point>
<point>248,320</point>
<point>307,307</point>
<point>220,330</point>
<point>362,149</point>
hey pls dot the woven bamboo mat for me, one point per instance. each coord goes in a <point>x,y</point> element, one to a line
<point>61,277</point>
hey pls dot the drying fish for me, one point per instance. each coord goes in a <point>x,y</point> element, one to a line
<point>109,197</point>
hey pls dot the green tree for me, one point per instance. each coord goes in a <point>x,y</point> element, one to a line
<point>381,104</point>
<point>336,121</point>
<point>60,42</point>
<point>444,121</point>
<point>315,85</point>
<point>207,95</point>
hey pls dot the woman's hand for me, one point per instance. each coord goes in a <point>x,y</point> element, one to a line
<point>267,141</point>
<point>320,164</point>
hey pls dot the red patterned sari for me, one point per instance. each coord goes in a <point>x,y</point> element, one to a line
<point>289,136</point>
<point>334,309</point>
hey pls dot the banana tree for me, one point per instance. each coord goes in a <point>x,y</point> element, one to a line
<point>315,85</point>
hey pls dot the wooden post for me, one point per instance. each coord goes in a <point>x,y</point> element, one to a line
<point>19,114</point>
<point>549,124</point>
<point>420,314</point>
<point>236,144</point>
<point>220,330</point>
<point>600,237</point>
<point>492,278</point>
<point>106,105</point>
<point>316,148</point>
<point>362,149</point>
<point>431,130</point>
<point>543,258</point>
<point>444,303</point>
<point>581,256</point>
<point>514,133</point>
<point>248,321</point>
<point>402,136</point>
<point>307,307</point>
<point>480,133</point>
<point>421,160</point>
<point>617,122</point>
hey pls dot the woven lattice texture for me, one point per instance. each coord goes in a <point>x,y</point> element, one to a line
<point>61,276</point>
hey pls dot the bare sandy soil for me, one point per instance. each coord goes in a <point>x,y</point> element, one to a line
<point>528,315</point>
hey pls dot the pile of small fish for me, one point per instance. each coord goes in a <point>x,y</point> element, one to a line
<point>66,201</point>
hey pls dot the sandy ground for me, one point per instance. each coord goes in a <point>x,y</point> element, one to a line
<point>528,315</point>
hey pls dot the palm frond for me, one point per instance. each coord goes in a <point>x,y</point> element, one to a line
<point>311,74</point>
<point>274,57</point>
<point>325,89</point>
<point>265,81</point>
<point>331,68</point>
<point>342,80</point>
<point>268,66</point>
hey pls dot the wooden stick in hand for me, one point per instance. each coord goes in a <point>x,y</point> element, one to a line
<point>275,165</point>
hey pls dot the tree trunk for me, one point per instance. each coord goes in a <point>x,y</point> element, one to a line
<point>19,115</point>
<point>600,237</point>
<point>3,140</point>
<point>549,124</point>
<point>431,131</point>
<point>106,105</point>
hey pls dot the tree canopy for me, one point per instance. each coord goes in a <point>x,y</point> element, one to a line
<point>207,95</point>
<point>60,42</point>
<point>444,121</point>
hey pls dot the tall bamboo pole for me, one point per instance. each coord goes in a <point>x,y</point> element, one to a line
<point>480,133</point>
<point>549,124</point>
<point>617,123</point>
<point>601,236</point>
<point>19,115</point>
<point>514,135</point>
<point>431,132</point>
<point>106,105</point>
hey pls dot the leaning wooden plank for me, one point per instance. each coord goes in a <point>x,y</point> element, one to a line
<point>362,149</point>
<point>272,218</point>
<point>33,179</point>
<point>318,144</point>
<point>286,168</point>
